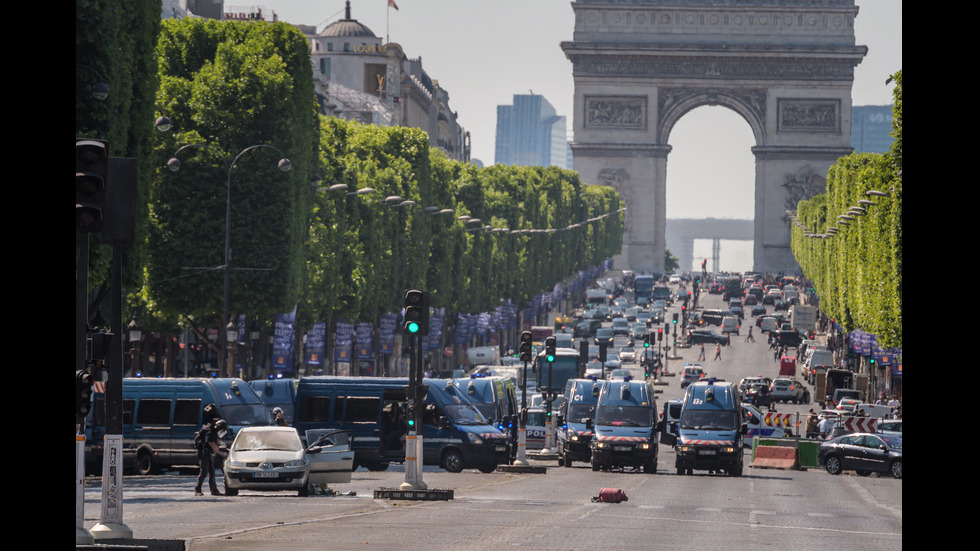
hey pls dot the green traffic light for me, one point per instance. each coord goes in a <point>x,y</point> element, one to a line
<point>411,422</point>
<point>550,358</point>
<point>412,327</point>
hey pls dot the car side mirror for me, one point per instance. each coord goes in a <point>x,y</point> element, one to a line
<point>588,424</point>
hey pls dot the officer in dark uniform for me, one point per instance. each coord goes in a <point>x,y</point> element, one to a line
<point>206,451</point>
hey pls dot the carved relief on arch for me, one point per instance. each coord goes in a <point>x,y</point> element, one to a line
<point>619,179</point>
<point>673,103</point>
<point>803,185</point>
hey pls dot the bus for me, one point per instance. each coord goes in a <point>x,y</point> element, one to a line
<point>643,288</point>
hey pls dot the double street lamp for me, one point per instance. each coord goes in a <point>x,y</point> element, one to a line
<point>174,165</point>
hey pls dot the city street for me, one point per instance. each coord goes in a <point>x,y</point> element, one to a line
<point>763,509</point>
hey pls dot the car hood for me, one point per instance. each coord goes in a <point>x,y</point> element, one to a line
<point>709,437</point>
<point>610,433</point>
<point>579,429</point>
<point>259,456</point>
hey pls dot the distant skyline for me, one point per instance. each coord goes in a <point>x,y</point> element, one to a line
<point>483,52</point>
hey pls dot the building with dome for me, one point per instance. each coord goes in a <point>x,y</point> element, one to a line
<point>359,77</point>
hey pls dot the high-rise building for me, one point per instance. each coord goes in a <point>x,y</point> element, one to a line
<point>871,127</point>
<point>531,133</point>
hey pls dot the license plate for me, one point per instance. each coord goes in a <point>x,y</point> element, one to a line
<point>707,452</point>
<point>501,448</point>
<point>263,474</point>
<point>622,448</point>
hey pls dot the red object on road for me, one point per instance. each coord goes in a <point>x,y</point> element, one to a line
<point>611,495</point>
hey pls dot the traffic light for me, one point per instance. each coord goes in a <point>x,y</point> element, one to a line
<point>549,349</point>
<point>602,351</point>
<point>675,318</point>
<point>83,392</point>
<point>527,348</point>
<point>410,415</point>
<point>660,334</point>
<point>646,341</point>
<point>91,175</point>
<point>416,313</point>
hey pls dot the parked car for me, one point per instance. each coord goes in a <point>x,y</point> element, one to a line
<point>274,458</point>
<point>789,390</point>
<point>889,427</point>
<point>698,336</point>
<point>862,452</point>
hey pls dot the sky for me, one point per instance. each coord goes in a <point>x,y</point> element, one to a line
<point>484,51</point>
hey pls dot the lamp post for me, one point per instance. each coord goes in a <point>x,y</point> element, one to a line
<point>135,336</point>
<point>174,165</point>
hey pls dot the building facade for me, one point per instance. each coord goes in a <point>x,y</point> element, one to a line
<point>531,133</point>
<point>359,77</point>
<point>871,127</point>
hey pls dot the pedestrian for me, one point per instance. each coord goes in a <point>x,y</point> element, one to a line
<point>717,351</point>
<point>728,341</point>
<point>750,338</point>
<point>811,424</point>
<point>279,417</point>
<point>894,403</point>
<point>701,352</point>
<point>206,443</point>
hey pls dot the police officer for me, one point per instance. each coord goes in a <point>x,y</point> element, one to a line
<point>279,417</point>
<point>207,449</point>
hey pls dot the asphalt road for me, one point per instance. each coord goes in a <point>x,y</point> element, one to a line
<point>764,509</point>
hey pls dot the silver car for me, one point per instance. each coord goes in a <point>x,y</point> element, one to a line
<point>274,458</point>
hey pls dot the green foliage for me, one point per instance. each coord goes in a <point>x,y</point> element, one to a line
<point>114,44</point>
<point>363,253</point>
<point>858,272</point>
<point>231,86</point>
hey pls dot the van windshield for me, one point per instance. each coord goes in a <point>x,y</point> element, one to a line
<point>580,412</point>
<point>708,419</point>
<point>624,416</point>
<point>465,414</point>
<point>246,414</point>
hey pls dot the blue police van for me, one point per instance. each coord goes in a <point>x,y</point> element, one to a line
<point>711,429</point>
<point>573,437</point>
<point>277,393</point>
<point>455,435</point>
<point>161,416</point>
<point>625,426</point>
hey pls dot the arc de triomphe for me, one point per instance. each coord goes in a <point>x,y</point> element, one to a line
<point>785,66</point>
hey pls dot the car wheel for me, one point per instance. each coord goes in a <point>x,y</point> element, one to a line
<point>650,467</point>
<point>487,469</point>
<point>595,464</point>
<point>453,461</point>
<point>832,463</point>
<point>145,464</point>
<point>382,466</point>
<point>863,473</point>
<point>735,471</point>
<point>304,490</point>
<point>896,468</point>
<point>230,491</point>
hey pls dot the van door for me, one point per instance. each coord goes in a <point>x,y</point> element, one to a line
<point>151,428</point>
<point>668,423</point>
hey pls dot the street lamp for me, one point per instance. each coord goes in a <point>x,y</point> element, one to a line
<point>135,336</point>
<point>174,165</point>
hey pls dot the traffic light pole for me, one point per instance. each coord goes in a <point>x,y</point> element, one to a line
<point>522,423</point>
<point>413,439</point>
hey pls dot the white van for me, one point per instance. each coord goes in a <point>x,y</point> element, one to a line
<point>729,324</point>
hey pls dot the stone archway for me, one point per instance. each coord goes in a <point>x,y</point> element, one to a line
<point>785,66</point>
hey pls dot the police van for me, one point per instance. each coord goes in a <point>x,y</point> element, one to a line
<point>625,427</point>
<point>161,416</point>
<point>455,435</point>
<point>496,398</point>
<point>277,393</point>
<point>711,429</point>
<point>573,437</point>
